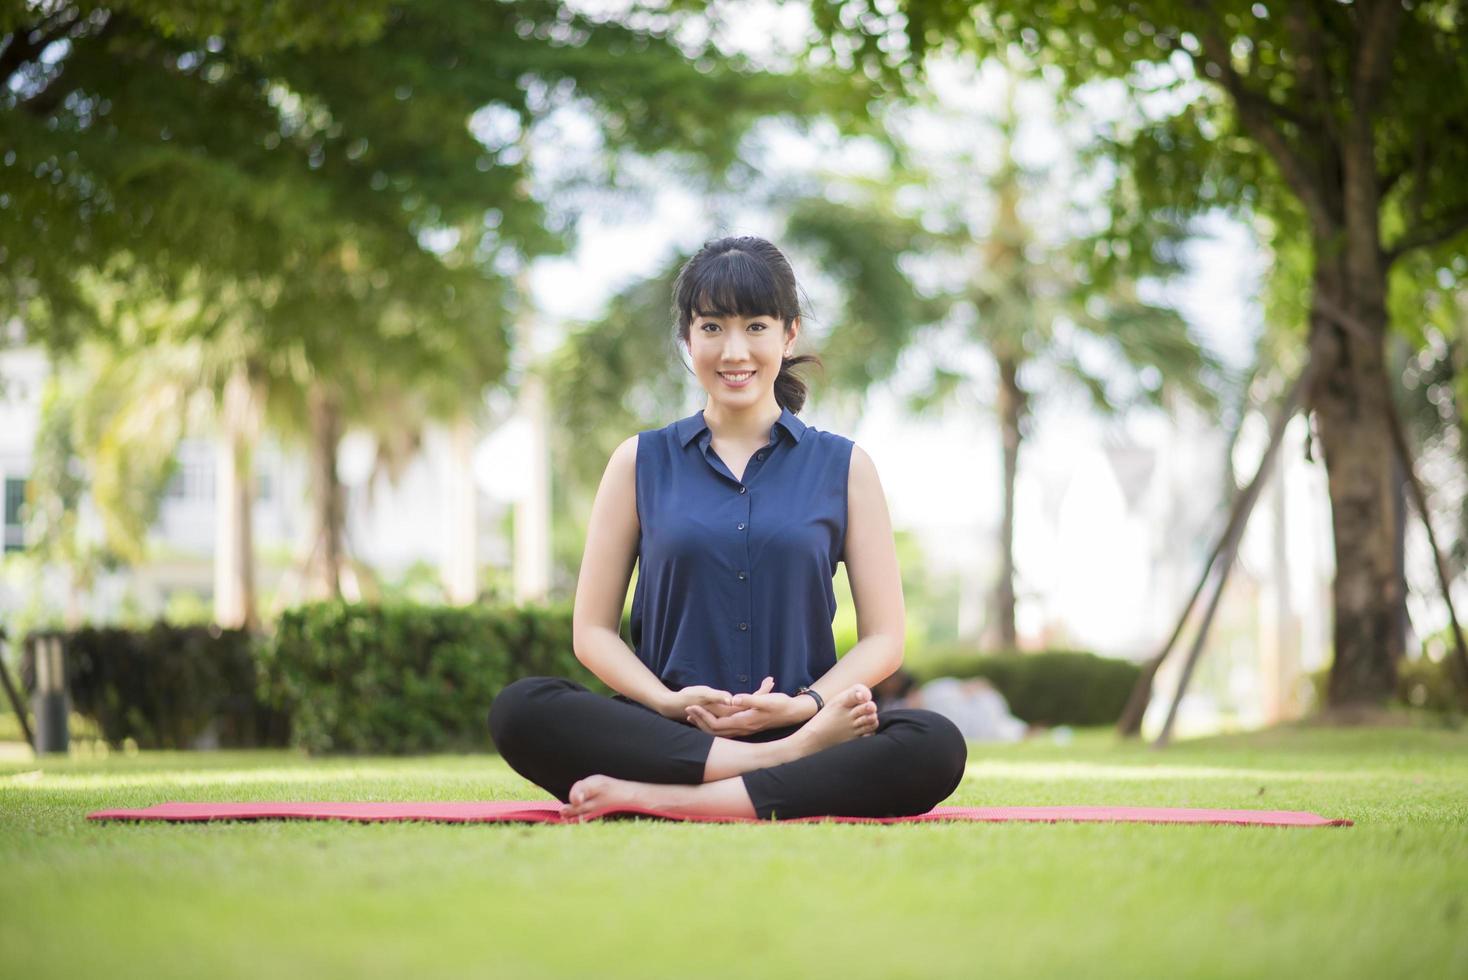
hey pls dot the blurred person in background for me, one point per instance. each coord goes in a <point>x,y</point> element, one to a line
<point>974,705</point>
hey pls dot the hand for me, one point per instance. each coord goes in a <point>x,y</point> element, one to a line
<point>677,703</point>
<point>749,713</point>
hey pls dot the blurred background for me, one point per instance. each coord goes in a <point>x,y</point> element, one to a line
<point>339,306</point>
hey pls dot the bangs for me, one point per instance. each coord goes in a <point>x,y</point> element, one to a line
<point>733,283</point>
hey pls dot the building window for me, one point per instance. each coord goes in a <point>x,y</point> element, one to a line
<point>14,502</point>
<point>193,482</point>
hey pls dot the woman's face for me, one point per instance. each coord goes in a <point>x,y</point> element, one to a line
<point>737,358</point>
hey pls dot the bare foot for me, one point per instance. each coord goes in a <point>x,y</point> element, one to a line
<point>595,795</point>
<point>850,714</point>
<point>600,793</point>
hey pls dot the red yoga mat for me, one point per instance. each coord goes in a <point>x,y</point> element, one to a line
<point>548,811</point>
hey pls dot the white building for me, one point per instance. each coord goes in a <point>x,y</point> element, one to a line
<point>389,527</point>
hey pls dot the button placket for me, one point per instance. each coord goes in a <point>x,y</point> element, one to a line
<point>746,599</point>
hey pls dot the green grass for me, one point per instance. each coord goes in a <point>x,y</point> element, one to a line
<point>1387,897</point>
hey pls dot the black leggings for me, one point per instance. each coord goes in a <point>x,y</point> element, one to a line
<point>554,732</point>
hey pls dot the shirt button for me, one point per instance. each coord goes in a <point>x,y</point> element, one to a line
<point>743,678</point>
<point>744,626</point>
<point>741,576</point>
<point>742,489</point>
<point>760,454</point>
<point>741,525</point>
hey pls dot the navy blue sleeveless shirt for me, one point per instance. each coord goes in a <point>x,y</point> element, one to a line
<point>734,576</point>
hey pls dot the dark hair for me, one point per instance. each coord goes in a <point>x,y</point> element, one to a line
<point>744,276</point>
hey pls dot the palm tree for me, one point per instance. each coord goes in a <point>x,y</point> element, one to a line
<point>1036,306</point>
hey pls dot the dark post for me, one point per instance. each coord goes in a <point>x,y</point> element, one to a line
<point>50,703</point>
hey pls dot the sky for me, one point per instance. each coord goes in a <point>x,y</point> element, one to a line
<point>618,246</point>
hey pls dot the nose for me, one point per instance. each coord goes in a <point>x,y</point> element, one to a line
<point>736,347</point>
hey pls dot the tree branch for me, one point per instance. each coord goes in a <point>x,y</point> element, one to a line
<point>1378,37</point>
<point>1255,112</point>
<point>45,102</point>
<point>26,44</point>
<point>1310,62</point>
<point>1447,225</point>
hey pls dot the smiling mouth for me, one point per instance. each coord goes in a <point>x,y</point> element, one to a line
<point>736,377</point>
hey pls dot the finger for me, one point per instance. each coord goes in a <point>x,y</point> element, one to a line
<point>709,722</point>
<point>723,726</point>
<point>767,686</point>
<point>739,723</point>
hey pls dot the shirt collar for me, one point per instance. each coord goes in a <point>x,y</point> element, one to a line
<point>690,428</point>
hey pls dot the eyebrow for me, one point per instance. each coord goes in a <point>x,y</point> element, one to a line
<point>717,314</point>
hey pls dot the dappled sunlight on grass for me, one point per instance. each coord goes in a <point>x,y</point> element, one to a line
<point>1053,771</point>
<point>424,775</point>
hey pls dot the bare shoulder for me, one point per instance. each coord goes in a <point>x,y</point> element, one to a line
<point>619,482</point>
<point>624,457</point>
<point>862,474</point>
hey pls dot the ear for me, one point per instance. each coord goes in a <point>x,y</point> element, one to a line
<point>794,332</point>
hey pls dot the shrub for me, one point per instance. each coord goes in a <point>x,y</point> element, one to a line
<point>163,686</point>
<point>398,677</point>
<point>1421,683</point>
<point>1055,687</point>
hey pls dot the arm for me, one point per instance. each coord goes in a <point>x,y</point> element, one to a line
<point>870,554</point>
<point>601,590</point>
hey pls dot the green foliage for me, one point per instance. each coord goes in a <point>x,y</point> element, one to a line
<point>863,248</point>
<point>1054,687</point>
<point>163,686</point>
<point>610,379</point>
<point>406,678</point>
<point>1421,683</point>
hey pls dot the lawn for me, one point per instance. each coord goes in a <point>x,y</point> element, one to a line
<point>1387,897</point>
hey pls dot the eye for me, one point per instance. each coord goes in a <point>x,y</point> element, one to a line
<point>704,326</point>
<point>757,326</point>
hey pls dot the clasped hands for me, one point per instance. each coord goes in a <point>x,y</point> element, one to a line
<point>721,713</point>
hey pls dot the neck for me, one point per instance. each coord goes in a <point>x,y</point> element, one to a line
<point>750,424</point>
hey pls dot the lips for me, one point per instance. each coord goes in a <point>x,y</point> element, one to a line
<point>740,379</point>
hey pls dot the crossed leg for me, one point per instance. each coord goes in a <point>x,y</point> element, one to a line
<point>597,754</point>
<point>851,714</point>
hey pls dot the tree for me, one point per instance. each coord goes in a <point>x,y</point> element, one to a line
<point>1046,310</point>
<point>1342,123</point>
<point>350,176</point>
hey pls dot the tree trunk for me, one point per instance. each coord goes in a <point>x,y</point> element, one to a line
<point>532,544</point>
<point>1348,399</point>
<point>461,565</point>
<point>1011,398</point>
<point>234,500</point>
<point>323,570</point>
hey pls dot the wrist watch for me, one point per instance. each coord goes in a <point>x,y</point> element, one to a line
<point>820,701</point>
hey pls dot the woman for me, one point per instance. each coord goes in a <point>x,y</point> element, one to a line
<point>733,703</point>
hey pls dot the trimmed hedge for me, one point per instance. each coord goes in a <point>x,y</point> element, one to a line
<point>1056,687</point>
<point>403,678</point>
<point>165,686</point>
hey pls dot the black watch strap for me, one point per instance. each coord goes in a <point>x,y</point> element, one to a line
<point>820,701</point>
